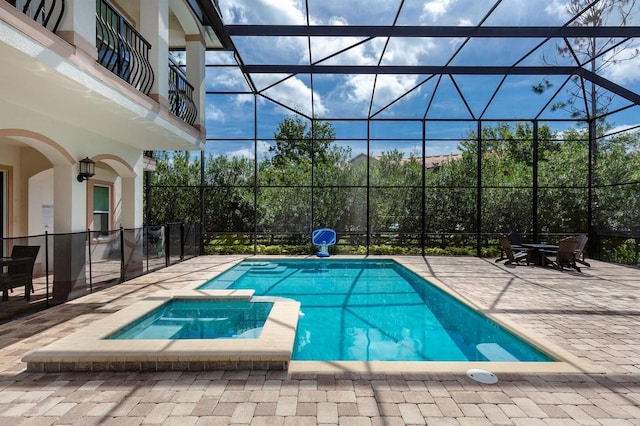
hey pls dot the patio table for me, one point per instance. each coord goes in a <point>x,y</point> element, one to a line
<point>536,251</point>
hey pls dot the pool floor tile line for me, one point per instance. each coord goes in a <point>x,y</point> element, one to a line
<point>593,315</point>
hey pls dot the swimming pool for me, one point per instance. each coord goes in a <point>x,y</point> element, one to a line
<point>375,310</point>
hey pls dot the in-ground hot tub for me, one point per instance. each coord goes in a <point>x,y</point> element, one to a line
<point>263,344</point>
<point>199,318</point>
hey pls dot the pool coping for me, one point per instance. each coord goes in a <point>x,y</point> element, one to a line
<point>88,350</point>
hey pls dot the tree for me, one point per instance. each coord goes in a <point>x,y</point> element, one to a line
<point>175,188</point>
<point>228,195</point>
<point>618,174</point>
<point>304,152</point>
<point>597,53</point>
<point>396,201</point>
<point>297,142</point>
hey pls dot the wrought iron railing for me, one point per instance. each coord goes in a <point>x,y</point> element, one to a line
<point>47,13</point>
<point>181,102</point>
<point>121,49</point>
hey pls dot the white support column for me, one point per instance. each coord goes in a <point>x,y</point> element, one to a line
<point>70,220</point>
<point>70,211</point>
<point>78,26</point>
<point>154,27</point>
<point>132,221</point>
<point>132,198</point>
<point>196,76</point>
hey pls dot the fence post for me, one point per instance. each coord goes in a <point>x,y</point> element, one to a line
<point>121,254</point>
<point>90,263</point>
<point>167,245</point>
<point>145,246</point>
<point>46,266</point>
<point>182,241</point>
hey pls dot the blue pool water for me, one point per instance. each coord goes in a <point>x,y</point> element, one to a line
<point>375,310</point>
<point>199,319</point>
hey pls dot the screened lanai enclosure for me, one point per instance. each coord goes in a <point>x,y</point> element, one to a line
<point>414,127</point>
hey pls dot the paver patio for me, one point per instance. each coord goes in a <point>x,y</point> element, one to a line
<point>595,315</point>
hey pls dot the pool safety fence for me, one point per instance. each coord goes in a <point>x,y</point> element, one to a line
<point>70,265</point>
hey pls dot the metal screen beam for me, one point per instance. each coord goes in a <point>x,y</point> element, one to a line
<point>427,31</point>
<point>609,85</point>
<point>409,69</point>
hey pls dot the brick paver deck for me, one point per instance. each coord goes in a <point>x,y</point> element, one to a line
<point>595,315</point>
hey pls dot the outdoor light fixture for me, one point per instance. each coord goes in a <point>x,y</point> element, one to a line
<point>87,169</point>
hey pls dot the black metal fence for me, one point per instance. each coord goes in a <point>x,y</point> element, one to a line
<point>181,102</point>
<point>122,49</point>
<point>47,13</point>
<point>71,265</point>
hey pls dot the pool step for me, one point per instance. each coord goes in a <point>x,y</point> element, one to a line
<point>272,269</point>
<point>495,352</point>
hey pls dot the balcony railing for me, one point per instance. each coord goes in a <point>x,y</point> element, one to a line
<point>121,49</point>
<point>47,13</point>
<point>181,102</point>
<point>124,52</point>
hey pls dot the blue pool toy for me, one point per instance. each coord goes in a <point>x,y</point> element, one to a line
<point>324,238</point>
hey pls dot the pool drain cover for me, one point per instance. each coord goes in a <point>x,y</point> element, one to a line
<point>482,376</point>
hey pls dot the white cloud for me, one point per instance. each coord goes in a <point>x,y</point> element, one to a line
<point>557,9</point>
<point>225,79</point>
<point>338,20</point>
<point>213,113</point>
<point>358,88</point>
<point>409,51</point>
<point>388,88</point>
<point>363,54</point>
<point>288,12</point>
<point>626,68</point>
<point>622,127</point>
<point>262,149</point>
<point>295,93</point>
<point>436,8</point>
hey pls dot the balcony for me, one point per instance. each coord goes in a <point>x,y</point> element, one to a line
<point>181,102</point>
<point>124,52</point>
<point>121,49</point>
<point>47,13</point>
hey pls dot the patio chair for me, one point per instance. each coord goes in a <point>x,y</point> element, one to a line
<point>19,273</point>
<point>582,242</point>
<point>515,240</point>
<point>512,255</point>
<point>565,257</point>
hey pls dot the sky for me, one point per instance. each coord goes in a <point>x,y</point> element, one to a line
<point>358,96</point>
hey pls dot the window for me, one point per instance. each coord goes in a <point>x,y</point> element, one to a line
<point>101,210</point>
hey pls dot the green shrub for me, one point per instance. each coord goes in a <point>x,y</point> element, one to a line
<point>624,253</point>
<point>242,246</point>
<point>271,250</point>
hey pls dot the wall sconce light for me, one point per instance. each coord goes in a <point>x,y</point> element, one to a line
<point>87,169</point>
